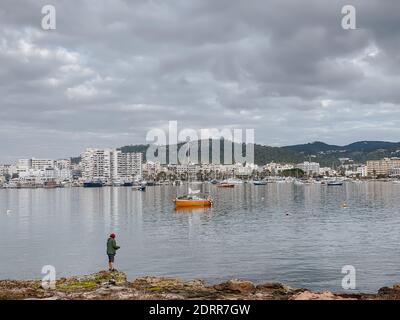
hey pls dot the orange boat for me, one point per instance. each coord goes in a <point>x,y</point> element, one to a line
<point>193,201</point>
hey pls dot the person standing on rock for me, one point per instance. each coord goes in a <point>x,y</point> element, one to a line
<point>111,251</point>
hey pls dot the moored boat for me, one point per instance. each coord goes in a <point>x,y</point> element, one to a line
<point>225,185</point>
<point>93,184</point>
<point>335,183</point>
<point>193,200</point>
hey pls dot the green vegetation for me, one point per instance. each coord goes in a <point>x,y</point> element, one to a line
<point>90,281</point>
<point>325,154</point>
<point>295,173</point>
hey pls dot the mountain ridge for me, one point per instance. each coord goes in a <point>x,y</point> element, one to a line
<point>325,154</point>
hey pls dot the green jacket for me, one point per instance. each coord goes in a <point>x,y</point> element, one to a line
<point>112,246</point>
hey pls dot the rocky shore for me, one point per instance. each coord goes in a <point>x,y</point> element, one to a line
<point>114,285</point>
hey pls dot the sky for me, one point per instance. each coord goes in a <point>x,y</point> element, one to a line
<point>114,69</point>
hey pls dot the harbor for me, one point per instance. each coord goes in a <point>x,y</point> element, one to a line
<point>282,232</point>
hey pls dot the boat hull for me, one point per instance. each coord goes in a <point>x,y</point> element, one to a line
<point>226,185</point>
<point>259,183</point>
<point>93,185</point>
<point>335,184</point>
<point>183,203</point>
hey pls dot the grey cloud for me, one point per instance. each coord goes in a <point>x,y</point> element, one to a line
<point>114,69</point>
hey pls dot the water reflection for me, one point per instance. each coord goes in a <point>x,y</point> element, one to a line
<point>300,235</point>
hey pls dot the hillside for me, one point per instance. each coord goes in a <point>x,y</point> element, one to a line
<point>325,154</point>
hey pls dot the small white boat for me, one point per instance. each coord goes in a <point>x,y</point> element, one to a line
<point>232,181</point>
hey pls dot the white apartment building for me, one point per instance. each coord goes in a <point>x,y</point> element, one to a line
<point>190,169</point>
<point>35,164</point>
<point>362,171</point>
<point>62,164</point>
<point>151,168</point>
<point>24,165</point>
<point>7,169</point>
<point>383,166</point>
<point>395,172</point>
<point>277,168</point>
<point>110,164</point>
<point>41,164</point>
<point>309,167</point>
<point>96,164</point>
<point>126,166</point>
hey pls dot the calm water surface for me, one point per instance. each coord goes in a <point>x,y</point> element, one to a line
<point>299,235</point>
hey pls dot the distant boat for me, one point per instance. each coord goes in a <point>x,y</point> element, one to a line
<point>298,183</point>
<point>93,184</point>
<point>335,183</point>
<point>117,183</point>
<point>127,184</point>
<point>139,188</point>
<point>50,184</point>
<point>214,181</point>
<point>233,181</point>
<point>259,183</point>
<point>225,185</point>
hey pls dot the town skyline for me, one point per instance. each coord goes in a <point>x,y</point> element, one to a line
<point>8,160</point>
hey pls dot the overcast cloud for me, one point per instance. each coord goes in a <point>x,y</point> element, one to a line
<point>114,69</point>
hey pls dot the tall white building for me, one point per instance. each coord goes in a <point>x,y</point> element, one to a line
<point>126,166</point>
<point>96,164</point>
<point>110,164</point>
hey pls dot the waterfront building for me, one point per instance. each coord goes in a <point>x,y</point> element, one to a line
<point>394,172</point>
<point>383,166</point>
<point>41,164</point>
<point>309,168</point>
<point>110,164</point>
<point>362,171</point>
<point>63,164</point>
<point>7,169</point>
<point>96,164</point>
<point>126,166</point>
<point>33,163</point>
<point>277,168</point>
<point>23,165</point>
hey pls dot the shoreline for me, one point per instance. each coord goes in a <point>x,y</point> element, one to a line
<point>106,285</point>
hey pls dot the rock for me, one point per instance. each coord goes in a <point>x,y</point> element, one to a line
<point>114,286</point>
<point>326,295</point>
<point>158,284</point>
<point>396,286</point>
<point>274,286</point>
<point>236,286</point>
